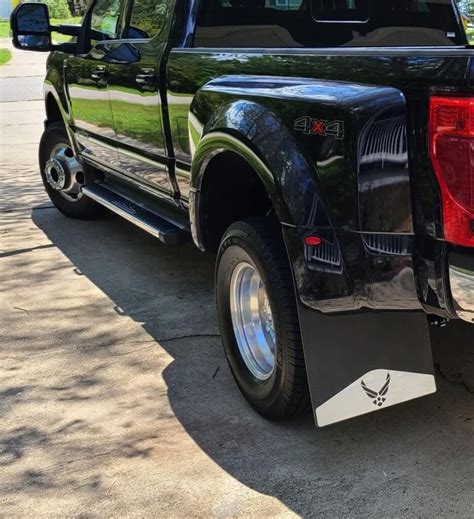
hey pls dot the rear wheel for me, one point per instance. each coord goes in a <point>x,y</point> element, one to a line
<point>258,319</point>
<point>63,175</point>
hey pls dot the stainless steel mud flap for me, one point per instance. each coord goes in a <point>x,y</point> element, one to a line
<point>361,363</point>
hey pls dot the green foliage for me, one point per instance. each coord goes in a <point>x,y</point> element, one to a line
<point>149,16</point>
<point>4,28</point>
<point>466,7</point>
<point>78,7</point>
<point>105,16</point>
<point>138,122</point>
<point>470,35</point>
<point>73,20</point>
<point>5,56</point>
<point>58,9</point>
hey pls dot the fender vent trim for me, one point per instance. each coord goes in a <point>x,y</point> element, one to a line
<point>388,244</point>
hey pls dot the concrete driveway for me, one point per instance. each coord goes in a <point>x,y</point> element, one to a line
<point>115,398</point>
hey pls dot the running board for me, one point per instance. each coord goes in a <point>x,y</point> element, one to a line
<point>167,232</point>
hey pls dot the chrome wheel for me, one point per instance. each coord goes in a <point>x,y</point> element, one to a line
<point>64,172</point>
<point>252,321</point>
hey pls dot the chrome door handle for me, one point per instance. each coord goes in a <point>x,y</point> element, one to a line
<point>145,78</point>
<point>98,73</point>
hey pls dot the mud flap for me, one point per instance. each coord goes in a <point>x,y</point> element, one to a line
<point>361,363</point>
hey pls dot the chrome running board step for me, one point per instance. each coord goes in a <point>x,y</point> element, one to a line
<point>167,232</point>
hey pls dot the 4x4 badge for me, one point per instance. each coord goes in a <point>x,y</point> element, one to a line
<point>378,398</point>
<point>322,127</point>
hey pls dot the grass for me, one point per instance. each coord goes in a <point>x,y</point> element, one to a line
<point>73,20</point>
<point>134,121</point>
<point>138,122</point>
<point>4,28</point>
<point>5,56</point>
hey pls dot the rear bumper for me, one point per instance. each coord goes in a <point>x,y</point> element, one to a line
<point>461,278</point>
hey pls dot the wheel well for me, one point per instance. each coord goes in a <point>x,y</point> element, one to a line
<point>53,113</point>
<point>231,191</point>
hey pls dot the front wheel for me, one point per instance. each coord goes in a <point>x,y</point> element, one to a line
<point>258,319</point>
<point>63,175</point>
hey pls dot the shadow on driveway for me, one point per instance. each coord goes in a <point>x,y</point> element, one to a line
<point>406,460</point>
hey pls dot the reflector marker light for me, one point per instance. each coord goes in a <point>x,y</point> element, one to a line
<point>313,241</point>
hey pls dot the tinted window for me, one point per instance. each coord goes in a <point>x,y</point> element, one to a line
<point>327,23</point>
<point>105,19</point>
<point>286,5</point>
<point>340,10</point>
<point>148,18</point>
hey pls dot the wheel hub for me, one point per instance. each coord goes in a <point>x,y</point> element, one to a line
<point>64,173</point>
<point>252,321</point>
<point>55,174</point>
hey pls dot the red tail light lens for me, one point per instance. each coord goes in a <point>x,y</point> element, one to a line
<point>313,241</point>
<point>451,136</point>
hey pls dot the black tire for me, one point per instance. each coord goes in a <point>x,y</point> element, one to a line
<point>259,242</point>
<point>83,208</point>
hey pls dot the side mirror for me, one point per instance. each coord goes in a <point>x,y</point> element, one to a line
<point>30,27</point>
<point>135,32</point>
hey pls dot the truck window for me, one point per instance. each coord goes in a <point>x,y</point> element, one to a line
<point>327,23</point>
<point>340,11</point>
<point>147,18</point>
<point>105,19</point>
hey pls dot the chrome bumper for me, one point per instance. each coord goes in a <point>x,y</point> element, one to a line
<point>462,291</point>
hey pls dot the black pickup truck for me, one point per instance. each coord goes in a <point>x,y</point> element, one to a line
<point>324,149</point>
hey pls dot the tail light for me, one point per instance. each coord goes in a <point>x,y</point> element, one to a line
<point>451,134</point>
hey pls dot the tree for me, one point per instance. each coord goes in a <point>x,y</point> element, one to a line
<point>78,7</point>
<point>58,9</point>
<point>467,6</point>
<point>149,16</point>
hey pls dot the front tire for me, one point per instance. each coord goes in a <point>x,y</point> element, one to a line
<point>55,140</point>
<point>258,319</point>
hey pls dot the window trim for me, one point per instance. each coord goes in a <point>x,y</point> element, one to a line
<point>417,51</point>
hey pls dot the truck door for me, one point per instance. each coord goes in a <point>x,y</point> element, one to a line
<point>86,78</point>
<point>134,84</point>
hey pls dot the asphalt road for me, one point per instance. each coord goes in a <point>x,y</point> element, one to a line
<point>115,398</point>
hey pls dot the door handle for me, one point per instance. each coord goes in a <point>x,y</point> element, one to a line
<point>145,78</point>
<point>98,73</point>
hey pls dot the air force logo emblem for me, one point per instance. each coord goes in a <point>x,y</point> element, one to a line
<point>379,398</point>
